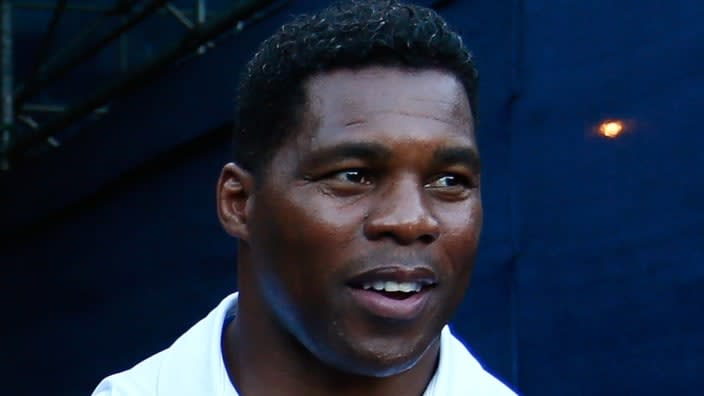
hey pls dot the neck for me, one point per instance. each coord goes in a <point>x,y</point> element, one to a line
<point>263,359</point>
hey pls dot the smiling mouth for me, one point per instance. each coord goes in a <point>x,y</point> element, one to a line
<point>396,293</point>
<point>385,299</point>
<point>396,290</point>
<point>395,281</point>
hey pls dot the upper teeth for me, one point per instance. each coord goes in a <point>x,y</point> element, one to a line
<point>391,286</point>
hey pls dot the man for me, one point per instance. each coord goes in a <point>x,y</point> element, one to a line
<point>355,197</point>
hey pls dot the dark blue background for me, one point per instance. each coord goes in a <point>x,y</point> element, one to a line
<point>591,271</point>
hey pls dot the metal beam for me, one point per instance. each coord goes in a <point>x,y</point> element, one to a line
<point>180,16</point>
<point>201,15</point>
<point>201,12</point>
<point>49,36</point>
<point>92,9</point>
<point>54,70</point>
<point>37,5</point>
<point>193,39</point>
<point>44,108</point>
<point>6,80</point>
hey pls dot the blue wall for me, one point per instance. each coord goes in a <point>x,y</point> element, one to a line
<point>592,263</point>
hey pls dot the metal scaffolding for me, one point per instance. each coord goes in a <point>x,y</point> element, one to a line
<point>68,59</point>
<point>49,66</point>
<point>6,80</point>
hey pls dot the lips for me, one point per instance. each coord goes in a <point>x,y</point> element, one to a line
<point>422,275</point>
<point>393,286</point>
<point>393,292</point>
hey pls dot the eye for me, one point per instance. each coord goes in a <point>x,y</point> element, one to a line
<point>356,176</point>
<point>347,182</point>
<point>449,182</point>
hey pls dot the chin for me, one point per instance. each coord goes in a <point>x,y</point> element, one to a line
<point>386,369</point>
<point>379,362</point>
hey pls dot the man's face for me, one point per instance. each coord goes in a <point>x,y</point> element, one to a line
<point>363,233</point>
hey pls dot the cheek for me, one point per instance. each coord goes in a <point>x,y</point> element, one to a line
<point>326,222</point>
<point>305,234</point>
<point>462,228</point>
<point>463,220</point>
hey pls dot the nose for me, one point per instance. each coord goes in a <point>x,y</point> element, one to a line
<point>400,213</point>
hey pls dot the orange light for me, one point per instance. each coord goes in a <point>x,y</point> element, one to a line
<point>611,129</point>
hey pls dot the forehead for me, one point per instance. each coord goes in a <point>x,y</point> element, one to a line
<point>345,98</point>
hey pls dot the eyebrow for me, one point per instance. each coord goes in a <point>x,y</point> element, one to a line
<point>372,152</point>
<point>466,156</point>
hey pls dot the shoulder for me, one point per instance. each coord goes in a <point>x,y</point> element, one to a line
<point>193,362</point>
<point>491,386</point>
<point>139,380</point>
<point>459,372</point>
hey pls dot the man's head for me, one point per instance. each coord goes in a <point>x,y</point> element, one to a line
<point>351,34</point>
<point>359,238</point>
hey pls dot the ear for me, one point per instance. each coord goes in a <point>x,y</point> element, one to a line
<point>234,198</point>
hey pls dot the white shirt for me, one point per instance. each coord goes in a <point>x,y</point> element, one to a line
<point>193,365</point>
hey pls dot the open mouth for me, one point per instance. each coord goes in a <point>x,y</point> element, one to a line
<point>392,299</point>
<point>395,290</point>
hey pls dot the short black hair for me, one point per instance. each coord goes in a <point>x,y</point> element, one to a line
<point>347,35</point>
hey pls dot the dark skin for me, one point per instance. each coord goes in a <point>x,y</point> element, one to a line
<point>382,178</point>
